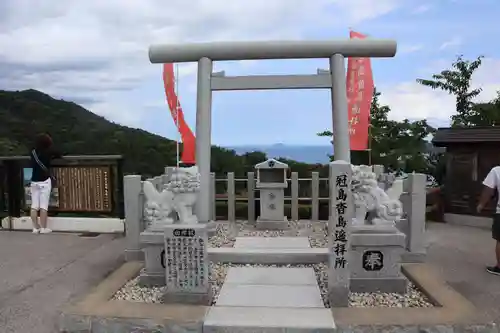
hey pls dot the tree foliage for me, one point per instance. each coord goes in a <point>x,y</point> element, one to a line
<point>457,81</point>
<point>486,114</point>
<point>399,145</point>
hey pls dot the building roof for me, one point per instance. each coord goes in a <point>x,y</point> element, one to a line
<point>447,136</point>
<point>271,164</point>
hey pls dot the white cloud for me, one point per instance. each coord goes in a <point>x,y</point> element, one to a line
<point>412,100</point>
<point>422,9</point>
<point>357,11</point>
<point>409,48</point>
<point>91,50</point>
<point>454,42</point>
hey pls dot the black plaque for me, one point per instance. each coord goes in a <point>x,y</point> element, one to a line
<point>184,232</point>
<point>373,260</point>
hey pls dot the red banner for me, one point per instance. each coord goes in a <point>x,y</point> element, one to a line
<point>359,98</point>
<point>187,136</point>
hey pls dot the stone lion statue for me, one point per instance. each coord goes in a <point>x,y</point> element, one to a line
<point>372,204</point>
<point>178,195</point>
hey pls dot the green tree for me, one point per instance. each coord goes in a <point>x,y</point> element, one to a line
<point>486,114</point>
<point>396,145</point>
<point>457,81</point>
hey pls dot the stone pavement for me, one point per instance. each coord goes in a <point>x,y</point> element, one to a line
<point>256,297</point>
<point>461,254</point>
<point>41,273</point>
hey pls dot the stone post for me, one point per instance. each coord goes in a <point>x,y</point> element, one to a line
<point>339,231</point>
<point>231,197</point>
<point>203,137</point>
<point>251,197</point>
<point>340,114</point>
<point>315,196</point>
<point>415,188</point>
<point>134,207</point>
<point>295,196</point>
<point>186,265</point>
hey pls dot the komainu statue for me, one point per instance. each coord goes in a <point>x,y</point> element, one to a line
<point>178,195</point>
<point>372,204</point>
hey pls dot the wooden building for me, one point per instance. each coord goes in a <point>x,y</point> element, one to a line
<point>471,153</point>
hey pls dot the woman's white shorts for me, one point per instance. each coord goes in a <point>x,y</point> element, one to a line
<point>40,194</point>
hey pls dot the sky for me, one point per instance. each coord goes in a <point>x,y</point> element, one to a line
<point>95,53</point>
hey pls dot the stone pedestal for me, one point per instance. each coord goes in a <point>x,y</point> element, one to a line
<point>375,259</point>
<point>271,182</point>
<point>153,246</point>
<point>186,265</point>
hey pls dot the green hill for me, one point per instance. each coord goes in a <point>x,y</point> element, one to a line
<point>77,131</point>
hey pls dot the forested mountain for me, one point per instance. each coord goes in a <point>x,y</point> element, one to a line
<point>77,131</point>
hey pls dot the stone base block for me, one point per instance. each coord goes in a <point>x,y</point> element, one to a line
<point>188,298</point>
<point>271,225</point>
<point>383,285</point>
<point>375,259</point>
<point>151,279</point>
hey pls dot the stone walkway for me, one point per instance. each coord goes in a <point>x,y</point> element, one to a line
<point>461,254</point>
<point>258,297</point>
<point>40,274</point>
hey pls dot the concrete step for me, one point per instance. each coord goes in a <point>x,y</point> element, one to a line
<point>269,256</point>
<point>222,319</point>
<point>271,276</point>
<point>272,242</point>
<point>270,296</point>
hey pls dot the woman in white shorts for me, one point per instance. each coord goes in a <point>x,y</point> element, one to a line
<point>41,182</point>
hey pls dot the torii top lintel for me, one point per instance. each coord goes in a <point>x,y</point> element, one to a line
<point>222,51</point>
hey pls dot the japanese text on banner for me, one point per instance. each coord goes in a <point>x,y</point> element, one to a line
<point>359,96</point>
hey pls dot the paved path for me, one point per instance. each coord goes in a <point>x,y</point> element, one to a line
<point>461,253</point>
<point>41,273</point>
<point>259,297</point>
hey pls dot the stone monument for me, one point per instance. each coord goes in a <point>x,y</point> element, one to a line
<point>186,264</point>
<point>339,230</point>
<point>177,197</point>
<point>376,244</point>
<point>271,182</point>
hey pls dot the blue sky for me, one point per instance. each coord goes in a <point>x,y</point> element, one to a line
<point>96,55</point>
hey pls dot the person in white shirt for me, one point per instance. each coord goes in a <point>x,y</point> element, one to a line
<point>491,184</point>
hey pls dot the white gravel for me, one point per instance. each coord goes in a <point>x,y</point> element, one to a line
<point>228,231</point>
<point>413,297</point>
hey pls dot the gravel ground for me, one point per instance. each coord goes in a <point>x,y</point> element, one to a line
<point>413,297</point>
<point>227,232</point>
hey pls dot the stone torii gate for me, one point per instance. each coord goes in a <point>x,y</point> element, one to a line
<point>335,79</point>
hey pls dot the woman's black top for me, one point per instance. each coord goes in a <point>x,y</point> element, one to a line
<point>39,174</point>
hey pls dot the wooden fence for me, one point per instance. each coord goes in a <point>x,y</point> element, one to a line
<point>86,185</point>
<point>236,198</point>
<point>231,193</point>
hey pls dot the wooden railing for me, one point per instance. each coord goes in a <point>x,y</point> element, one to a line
<point>86,185</point>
